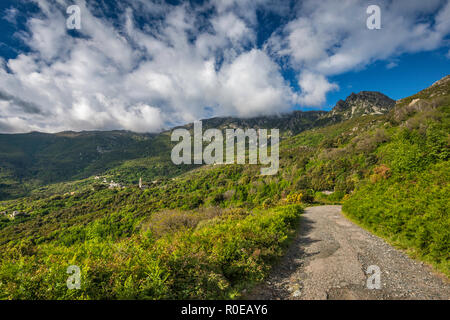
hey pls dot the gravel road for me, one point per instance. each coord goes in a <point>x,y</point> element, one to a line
<point>330,257</point>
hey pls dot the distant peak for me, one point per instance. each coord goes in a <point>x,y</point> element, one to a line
<point>362,103</point>
<point>366,94</point>
<point>441,81</point>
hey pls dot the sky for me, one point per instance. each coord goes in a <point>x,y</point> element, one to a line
<point>146,66</point>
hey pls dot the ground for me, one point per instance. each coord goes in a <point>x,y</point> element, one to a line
<point>330,257</point>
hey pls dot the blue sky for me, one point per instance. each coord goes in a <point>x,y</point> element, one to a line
<point>413,73</point>
<point>144,66</point>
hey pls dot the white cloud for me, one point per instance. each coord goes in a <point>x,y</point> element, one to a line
<point>233,28</point>
<point>134,79</point>
<point>248,88</point>
<point>314,88</point>
<point>330,37</point>
<point>185,65</point>
<point>391,65</point>
<point>11,15</point>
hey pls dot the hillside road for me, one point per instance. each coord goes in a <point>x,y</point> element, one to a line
<point>330,258</point>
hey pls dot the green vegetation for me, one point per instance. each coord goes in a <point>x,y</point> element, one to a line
<point>188,257</point>
<point>35,160</point>
<point>412,212</point>
<point>406,200</point>
<point>211,231</point>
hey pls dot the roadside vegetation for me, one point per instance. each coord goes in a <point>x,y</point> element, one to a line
<point>176,255</point>
<point>215,230</point>
<point>406,198</point>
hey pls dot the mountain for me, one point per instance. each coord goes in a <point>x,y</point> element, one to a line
<point>435,94</point>
<point>214,231</point>
<point>442,83</point>
<point>292,123</point>
<point>288,123</point>
<point>32,160</point>
<point>360,104</point>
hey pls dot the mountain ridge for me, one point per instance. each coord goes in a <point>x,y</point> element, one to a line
<point>215,231</point>
<point>362,103</point>
<point>32,160</point>
<point>289,119</point>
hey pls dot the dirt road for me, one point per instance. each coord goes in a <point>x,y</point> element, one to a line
<point>330,257</point>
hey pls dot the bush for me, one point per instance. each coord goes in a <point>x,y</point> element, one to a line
<point>381,172</point>
<point>214,260</point>
<point>413,213</point>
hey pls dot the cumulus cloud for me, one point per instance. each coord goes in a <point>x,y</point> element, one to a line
<point>251,89</point>
<point>314,88</point>
<point>330,37</point>
<point>137,77</point>
<point>148,65</point>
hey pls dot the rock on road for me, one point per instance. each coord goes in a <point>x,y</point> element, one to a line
<point>329,259</point>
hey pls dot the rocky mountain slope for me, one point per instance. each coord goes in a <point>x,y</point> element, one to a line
<point>213,231</point>
<point>360,104</point>
<point>355,105</point>
<point>288,123</point>
<point>31,160</point>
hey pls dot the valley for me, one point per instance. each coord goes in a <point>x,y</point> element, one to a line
<point>216,231</point>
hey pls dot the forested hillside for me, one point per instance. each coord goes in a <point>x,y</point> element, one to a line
<point>34,160</point>
<point>406,196</point>
<point>213,231</point>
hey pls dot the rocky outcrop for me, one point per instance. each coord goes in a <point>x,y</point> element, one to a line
<point>17,214</point>
<point>443,81</point>
<point>360,104</point>
<point>355,105</point>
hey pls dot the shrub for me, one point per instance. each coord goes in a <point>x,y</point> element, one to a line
<point>294,198</point>
<point>212,261</point>
<point>413,213</point>
<point>381,172</point>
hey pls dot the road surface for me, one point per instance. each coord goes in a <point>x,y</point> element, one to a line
<point>330,257</point>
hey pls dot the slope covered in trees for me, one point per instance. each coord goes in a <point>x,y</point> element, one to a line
<point>212,231</point>
<point>34,160</point>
